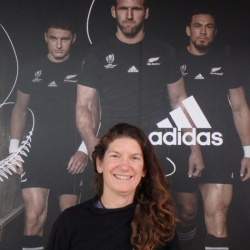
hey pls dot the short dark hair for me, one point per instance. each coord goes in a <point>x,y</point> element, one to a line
<point>60,21</point>
<point>198,11</point>
<point>145,3</point>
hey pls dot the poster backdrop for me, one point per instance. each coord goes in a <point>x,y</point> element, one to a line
<point>22,39</point>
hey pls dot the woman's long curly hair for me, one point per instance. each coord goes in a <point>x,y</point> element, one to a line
<point>154,221</point>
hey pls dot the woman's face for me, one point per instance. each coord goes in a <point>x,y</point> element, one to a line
<point>122,168</point>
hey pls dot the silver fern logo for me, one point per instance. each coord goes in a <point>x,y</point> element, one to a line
<point>214,71</point>
<point>6,165</point>
<point>183,68</point>
<point>15,158</point>
<point>70,78</point>
<point>154,61</point>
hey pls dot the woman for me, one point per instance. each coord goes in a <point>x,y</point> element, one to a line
<point>132,208</point>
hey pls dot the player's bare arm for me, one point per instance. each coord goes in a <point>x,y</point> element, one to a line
<point>79,160</point>
<point>84,116</point>
<point>18,119</point>
<point>177,94</point>
<point>241,115</point>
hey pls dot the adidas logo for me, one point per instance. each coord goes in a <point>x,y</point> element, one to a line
<point>175,135</point>
<point>180,119</point>
<point>133,69</point>
<point>52,84</point>
<point>199,77</point>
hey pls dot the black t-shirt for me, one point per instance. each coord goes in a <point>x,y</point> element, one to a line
<point>208,78</point>
<point>131,78</point>
<point>87,227</point>
<point>52,89</point>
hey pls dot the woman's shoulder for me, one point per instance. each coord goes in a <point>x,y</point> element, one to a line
<point>79,209</point>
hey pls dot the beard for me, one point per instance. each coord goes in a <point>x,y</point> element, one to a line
<point>130,31</point>
<point>202,47</point>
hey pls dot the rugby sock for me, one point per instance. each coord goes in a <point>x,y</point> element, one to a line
<point>32,243</point>
<point>214,243</point>
<point>186,237</point>
<point>186,233</point>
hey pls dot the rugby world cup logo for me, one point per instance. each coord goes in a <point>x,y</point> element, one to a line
<point>38,73</point>
<point>110,58</point>
<point>183,69</point>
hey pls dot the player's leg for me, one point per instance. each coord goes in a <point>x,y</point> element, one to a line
<point>184,191</point>
<point>69,189</point>
<point>186,204</point>
<point>68,200</point>
<point>216,199</point>
<point>36,203</point>
<point>186,210</point>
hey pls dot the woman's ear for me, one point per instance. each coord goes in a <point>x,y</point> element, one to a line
<point>99,165</point>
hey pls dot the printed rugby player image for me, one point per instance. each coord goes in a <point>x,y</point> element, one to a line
<point>176,70</point>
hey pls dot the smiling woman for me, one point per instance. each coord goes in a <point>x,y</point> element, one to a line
<point>122,169</point>
<point>132,208</point>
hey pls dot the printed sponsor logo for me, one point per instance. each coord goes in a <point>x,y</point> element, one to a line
<point>37,75</point>
<point>69,78</point>
<point>214,71</point>
<point>183,68</point>
<point>153,61</point>
<point>177,137</point>
<point>199,77</point>
<point>110,59</point>
<point>133,69</point>
<point>52,84</point>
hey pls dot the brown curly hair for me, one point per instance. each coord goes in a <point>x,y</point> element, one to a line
<point>154,221</point>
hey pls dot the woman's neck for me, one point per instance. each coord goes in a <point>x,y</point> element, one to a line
<point>115,201</point>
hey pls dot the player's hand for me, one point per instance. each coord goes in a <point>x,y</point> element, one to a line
<point>196,164</point>
<point>77,163</point>
<point>245,169</point>
<point>17,165</point>
<point>91,146</point>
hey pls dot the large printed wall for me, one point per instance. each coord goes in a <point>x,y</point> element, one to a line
<point>22,39</point>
